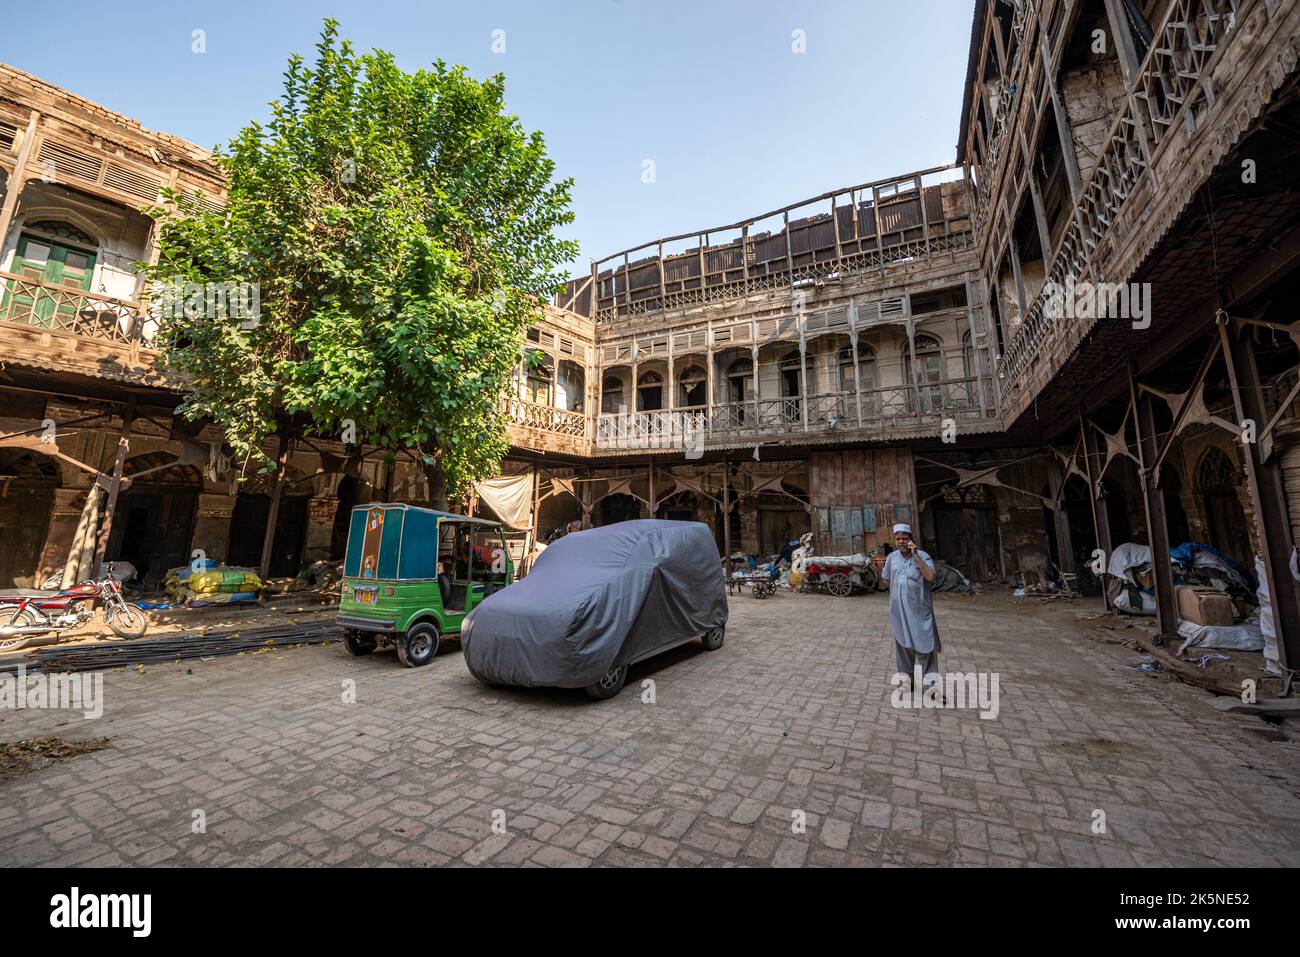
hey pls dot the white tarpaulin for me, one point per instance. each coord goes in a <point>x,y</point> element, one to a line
<point>510,497</point>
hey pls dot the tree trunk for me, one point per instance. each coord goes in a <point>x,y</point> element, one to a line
<point>437,480</point>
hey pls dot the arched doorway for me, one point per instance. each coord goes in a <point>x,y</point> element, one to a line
<point>611,395</point>
<point>966,531</point>
<point>248,528</point>
<point>691,385</point>
<point>348,499</point>
<point>27,484</point>
<point>618,508</point>
<point>650,392</point>
<point>1225,521</point>
<point>1171,485</point>
<point>154,520</point>
<point>780,518</point>
<point>681,506</point>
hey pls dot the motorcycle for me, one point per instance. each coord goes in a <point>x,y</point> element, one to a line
<point>25,616</point>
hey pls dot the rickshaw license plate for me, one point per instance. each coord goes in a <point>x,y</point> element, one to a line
<point>365,594</point>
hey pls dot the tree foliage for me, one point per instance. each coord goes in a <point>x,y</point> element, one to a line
<point>401,229</point>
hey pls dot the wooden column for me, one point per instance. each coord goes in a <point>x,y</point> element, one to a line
<point>1267,494</point>
<point>268,538</point>
<point>114,488</point>
<point>1062,125</point>
<point>1097,503</point>
<point>726,514</point>
<point>1153,500</point>
<point>19,177</point>
<point>803,378</point>
<point>857,372</point>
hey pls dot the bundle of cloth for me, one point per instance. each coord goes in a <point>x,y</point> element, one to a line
<point>1193,564</point>
<point>207,583</point>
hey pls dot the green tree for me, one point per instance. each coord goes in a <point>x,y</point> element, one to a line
<point>401,230</point>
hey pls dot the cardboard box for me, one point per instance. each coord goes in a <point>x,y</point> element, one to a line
<point>1204,606</point>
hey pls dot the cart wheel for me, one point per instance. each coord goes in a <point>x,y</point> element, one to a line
<point>358,643</point>
<point>712,639</point>
<point>869,579</point>
<point>418,646</point>
<point>839,585</point>
<point>609,685</point>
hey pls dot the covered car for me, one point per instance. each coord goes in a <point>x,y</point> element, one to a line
<point>597,601</point>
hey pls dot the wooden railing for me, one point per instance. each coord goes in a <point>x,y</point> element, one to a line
<point>31,302</point>
<point>533,415</point>
<point>1169,82</point>
<point>892,409</point>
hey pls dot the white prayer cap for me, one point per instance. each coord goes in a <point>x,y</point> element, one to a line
<point>902,527</point>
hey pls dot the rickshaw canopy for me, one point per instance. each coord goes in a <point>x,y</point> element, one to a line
<point>396,541</point>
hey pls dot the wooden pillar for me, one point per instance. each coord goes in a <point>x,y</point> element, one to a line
<point>803,377</point>
<point>911,351</point>
<point>754,353</point>
<point>1097,503</point>
<point>726,514</point>
<point>268,538</point>
<point>663,286</point>
<point>857,372</point>
<point>19,177</point>
<point>789,251</point>
<point>1063,131</point>
<point>114,488</point>
<point>1153,500</point>
<point>1064,543</point>
<point>1267,494</point>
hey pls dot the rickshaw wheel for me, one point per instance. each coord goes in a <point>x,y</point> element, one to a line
<point>839,585</point>
<point>418,646</point>
<point>358,643</point>
<point>869,579</point>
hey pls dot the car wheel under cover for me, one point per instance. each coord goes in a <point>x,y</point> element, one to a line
<point>610,685</point>
<point>712,639</point>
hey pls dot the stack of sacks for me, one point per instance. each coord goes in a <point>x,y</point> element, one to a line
<point>212,584</point>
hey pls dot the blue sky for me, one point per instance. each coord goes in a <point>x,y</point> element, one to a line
<point>735,121</point>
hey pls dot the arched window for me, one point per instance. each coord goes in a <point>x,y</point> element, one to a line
<point>740,380</point>
<point>571,383</point>
<point>866,374</point>
<point>929,373</point>
<point>539,369</point>
<point>650,392</point>
<point>691,385</point>
<point>611,394</point>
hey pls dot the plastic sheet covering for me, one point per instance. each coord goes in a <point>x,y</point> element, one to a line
<point>1127,557</point>
<point>510,497</point>
<point>596,600</point>
<point>1242,637</point>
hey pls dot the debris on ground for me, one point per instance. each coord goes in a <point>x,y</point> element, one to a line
<point>138,652</point>
<point>22,757</point>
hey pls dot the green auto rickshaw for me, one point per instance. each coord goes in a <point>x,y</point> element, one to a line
<point>411,575</point>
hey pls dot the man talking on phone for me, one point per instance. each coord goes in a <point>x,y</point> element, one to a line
<point>909,572</point>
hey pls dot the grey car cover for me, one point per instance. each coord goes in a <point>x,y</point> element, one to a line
<point>596,600</point>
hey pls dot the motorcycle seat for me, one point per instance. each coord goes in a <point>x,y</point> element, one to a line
<point>31,592</point>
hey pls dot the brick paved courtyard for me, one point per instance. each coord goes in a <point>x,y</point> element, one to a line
<point>792,714</point>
